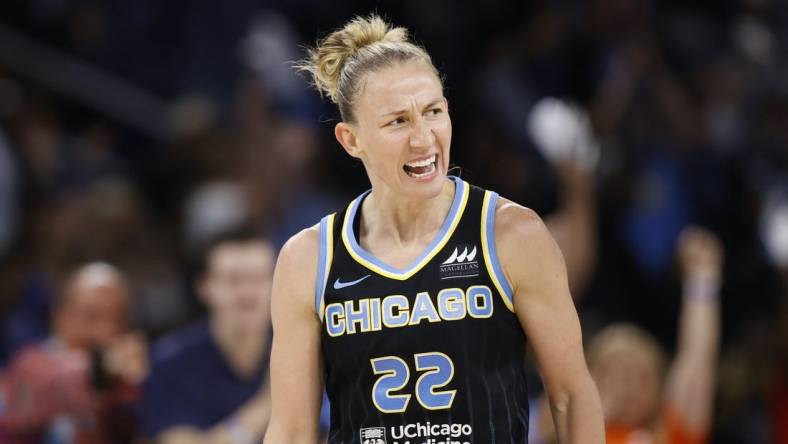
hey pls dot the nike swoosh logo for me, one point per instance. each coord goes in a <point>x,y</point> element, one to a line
<point>339,285</point>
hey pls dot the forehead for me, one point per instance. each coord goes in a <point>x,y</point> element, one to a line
<point>109,295</point>
<point>257,254</point>
<point>399,86</point>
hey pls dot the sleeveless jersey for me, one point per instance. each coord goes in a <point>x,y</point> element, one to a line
<point>429,354</point>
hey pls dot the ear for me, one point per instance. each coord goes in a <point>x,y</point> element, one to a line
<point>346,136</point>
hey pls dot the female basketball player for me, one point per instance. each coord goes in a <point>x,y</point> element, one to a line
<point>413,304</point>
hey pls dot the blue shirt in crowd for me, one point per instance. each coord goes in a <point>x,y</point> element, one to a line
<point>191,384</point>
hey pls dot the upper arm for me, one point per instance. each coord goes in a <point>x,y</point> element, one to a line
<point>534,266</point>
<point>296,364</point>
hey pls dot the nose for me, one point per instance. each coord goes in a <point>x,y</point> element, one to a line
<point>421,135</point>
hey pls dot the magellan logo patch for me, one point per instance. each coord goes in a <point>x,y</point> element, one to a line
<point>373,435</point>
<point>462,263</point>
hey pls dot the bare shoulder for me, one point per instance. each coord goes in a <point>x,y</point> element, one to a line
<point>296,268</point>
<point>526,249</point>
<point>517,224</point>
<point>301,249</point>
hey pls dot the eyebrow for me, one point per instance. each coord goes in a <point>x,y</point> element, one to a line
<point>404,110</point>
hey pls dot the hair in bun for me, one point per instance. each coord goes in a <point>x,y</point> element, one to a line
<point>365,44</point>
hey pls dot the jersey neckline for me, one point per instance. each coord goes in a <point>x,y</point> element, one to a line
<point>368,260</point>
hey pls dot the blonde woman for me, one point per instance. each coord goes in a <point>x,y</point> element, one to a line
<point>412,305</point>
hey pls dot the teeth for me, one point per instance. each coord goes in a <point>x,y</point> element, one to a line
<point>422,163</point>
<point>429,171</point>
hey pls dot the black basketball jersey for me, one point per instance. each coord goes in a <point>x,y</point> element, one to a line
<point>429,354</point>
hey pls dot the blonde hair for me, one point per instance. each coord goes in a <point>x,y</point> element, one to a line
<point>339,62</point>
<point>626,337</point>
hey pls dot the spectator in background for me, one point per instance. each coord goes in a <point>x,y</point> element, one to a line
<point>562,132</point>
<point>74,387</point>
<point>209,382</point>
<point>642,402</point>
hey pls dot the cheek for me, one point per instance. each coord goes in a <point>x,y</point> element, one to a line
<point>443,134</point>
<point>447,127</point>
<point>384,152</point>
<point>215,296</point>
<point>652,390</point>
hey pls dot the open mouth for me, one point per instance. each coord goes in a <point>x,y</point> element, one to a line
<point>421,168</point>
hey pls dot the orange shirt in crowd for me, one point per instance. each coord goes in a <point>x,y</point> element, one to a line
<point>672,430</point>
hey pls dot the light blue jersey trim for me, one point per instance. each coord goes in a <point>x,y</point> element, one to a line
<point>494,261</point>
<point>322,265</point>
<point>459,192</point>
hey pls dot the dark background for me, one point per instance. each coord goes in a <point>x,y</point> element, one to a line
<point>131,128</point>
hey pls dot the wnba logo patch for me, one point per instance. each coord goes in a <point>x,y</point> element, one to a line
<point>373,435</point>
<point>461,264</point>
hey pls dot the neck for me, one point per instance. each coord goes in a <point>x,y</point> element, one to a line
<point>387,214</point>
<point>241,345</point>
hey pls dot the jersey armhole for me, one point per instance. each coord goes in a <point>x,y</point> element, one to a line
<point>489,251</point>
<point>324,257</point>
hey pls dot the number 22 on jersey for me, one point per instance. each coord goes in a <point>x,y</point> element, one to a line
<point>435,370</point>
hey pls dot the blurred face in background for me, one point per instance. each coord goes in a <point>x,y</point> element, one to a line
<point>236,285</point>
<point>402,130</point>
<point>94,309</point>
<point>629,382</point>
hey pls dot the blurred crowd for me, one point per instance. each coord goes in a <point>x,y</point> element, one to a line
<point>150,151</point>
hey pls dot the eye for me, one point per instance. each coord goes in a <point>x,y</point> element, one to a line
<point>397,122</point>
<point>434,112</point>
